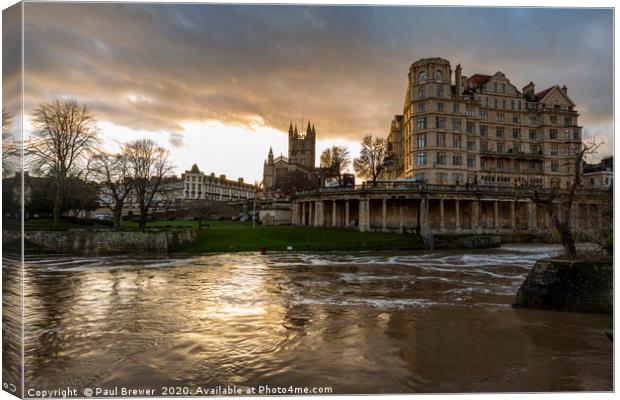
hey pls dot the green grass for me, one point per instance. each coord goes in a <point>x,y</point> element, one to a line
<point>225,236</point>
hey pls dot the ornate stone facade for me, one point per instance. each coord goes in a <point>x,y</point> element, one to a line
<point>482,130</point>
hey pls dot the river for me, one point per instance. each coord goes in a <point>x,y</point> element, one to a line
<point>384,322</point>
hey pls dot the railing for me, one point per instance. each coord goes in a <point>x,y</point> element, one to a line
<point>413,186</point>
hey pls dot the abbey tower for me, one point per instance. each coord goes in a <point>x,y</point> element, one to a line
<point>301,147</point>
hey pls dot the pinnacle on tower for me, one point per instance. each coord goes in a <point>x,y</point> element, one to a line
<point>313,131</point>
<point>296,132</point>
<point>308,129</point>
<point>270,156</point>
<point>290,128</point>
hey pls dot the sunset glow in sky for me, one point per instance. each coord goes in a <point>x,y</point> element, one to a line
<point>219,84</point>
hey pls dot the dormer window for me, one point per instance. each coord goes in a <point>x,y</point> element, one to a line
<point>422,77</point>
<point>438,75</point>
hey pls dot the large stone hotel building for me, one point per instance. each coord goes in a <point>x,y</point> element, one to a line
<point>482,130</point>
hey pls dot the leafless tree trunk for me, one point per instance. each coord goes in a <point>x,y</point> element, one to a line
<point>371,161</point>
<point>64,136</point>
<point>558,203</point>
<point>148,164</point>
<point>113,174</point>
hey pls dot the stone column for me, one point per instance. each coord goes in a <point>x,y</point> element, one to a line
<point>384,215</point>
<point>441,215</point>
<point>303,213</point>
<point>319,212</point>
<point>457,214</point>
<point>513,217</point>
<point>547,219</point>
<point>364,215</point>
<point>311,220</point>
<point>424,227</point>
<point>532,216</point>
<point>346,213</point>
<point>495,215</point>
<point>475,215</point>
<point>401,217</point>
<point>295,213</point>
<point>333,212</point>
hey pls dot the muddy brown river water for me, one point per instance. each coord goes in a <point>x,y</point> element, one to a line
<point>387,322</point>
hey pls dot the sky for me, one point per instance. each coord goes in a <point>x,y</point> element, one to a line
<point>218,85</point>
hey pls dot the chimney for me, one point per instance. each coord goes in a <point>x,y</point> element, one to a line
<point>529,90</point>
<point>240,180</point>
<point>565,90</point>
<point>457,80</point>
<point>223,177</point>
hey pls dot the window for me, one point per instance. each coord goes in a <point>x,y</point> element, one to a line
<point>471,162</point>
<point>440,91</point>
<point>515,165</point>
<point>469,110</point>
<point>422,77</point>
<point>532,120</point>
<point>555,166</point>
<point>455,107</point>
<point>421,107</point>
<point>553,119</point>
<point>441,140</point>
<point>486,102</point>
<point>576,134</point>
<point>484,130</point>
<point>457,179</point>
<point>499,164</point>
<point>438,75</point>
<point>553,133</point>
<point>422,140</point>
<point>516,133</point>
<point>484,146</point>
<point>456,124</point>
<point>504,103</point>
<point>500,147</point>
<point>440,123</point>
<point>567,134</point>
<point>554,149</point>
<point>457,159</point>
<point>532,134</point>
<point>512,104</point>
<point>494,103</point>
<point>442,178</point>
<point>503,88</point>
<point>484,115</point>
<point>456,141</point>
<point>441,158</point>
<point>421,158</point>
<point>471,127</point>
<point>495,87</point>
<point>483,163</point>
<point>499,117</point>
<point>516,148</point>
<point>421,94</point>
<point>439,106</point>
<point>471,145</point>
<point>568,121</point>
<point>420,123</point>
<point>499,132</point>
<point>519,105</point>
<point>516,119</point>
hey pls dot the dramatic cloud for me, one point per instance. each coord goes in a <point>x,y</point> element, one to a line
<point>154,67</point>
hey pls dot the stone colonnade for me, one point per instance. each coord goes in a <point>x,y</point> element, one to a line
<point>435,214</point>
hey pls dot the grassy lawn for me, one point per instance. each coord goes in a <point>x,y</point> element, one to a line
<point>223,236</point>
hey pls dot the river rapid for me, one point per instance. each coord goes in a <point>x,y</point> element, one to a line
<point>382,322</point>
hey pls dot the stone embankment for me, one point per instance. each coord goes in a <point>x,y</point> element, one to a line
<point>107,241</point>
<point>568,285</point>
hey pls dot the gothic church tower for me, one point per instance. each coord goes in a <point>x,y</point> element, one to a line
<point>302,147</point>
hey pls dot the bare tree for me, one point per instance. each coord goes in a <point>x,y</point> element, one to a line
<point>372,159</point>
<point>112,171</point>
<point>10,149</point>
<point>148,164</point>
<point>558,203</point>
<point>335,159</point>
<point>64,136</point>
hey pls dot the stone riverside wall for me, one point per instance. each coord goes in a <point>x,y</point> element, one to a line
<point>564,285</point>
<point>107,241</point>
